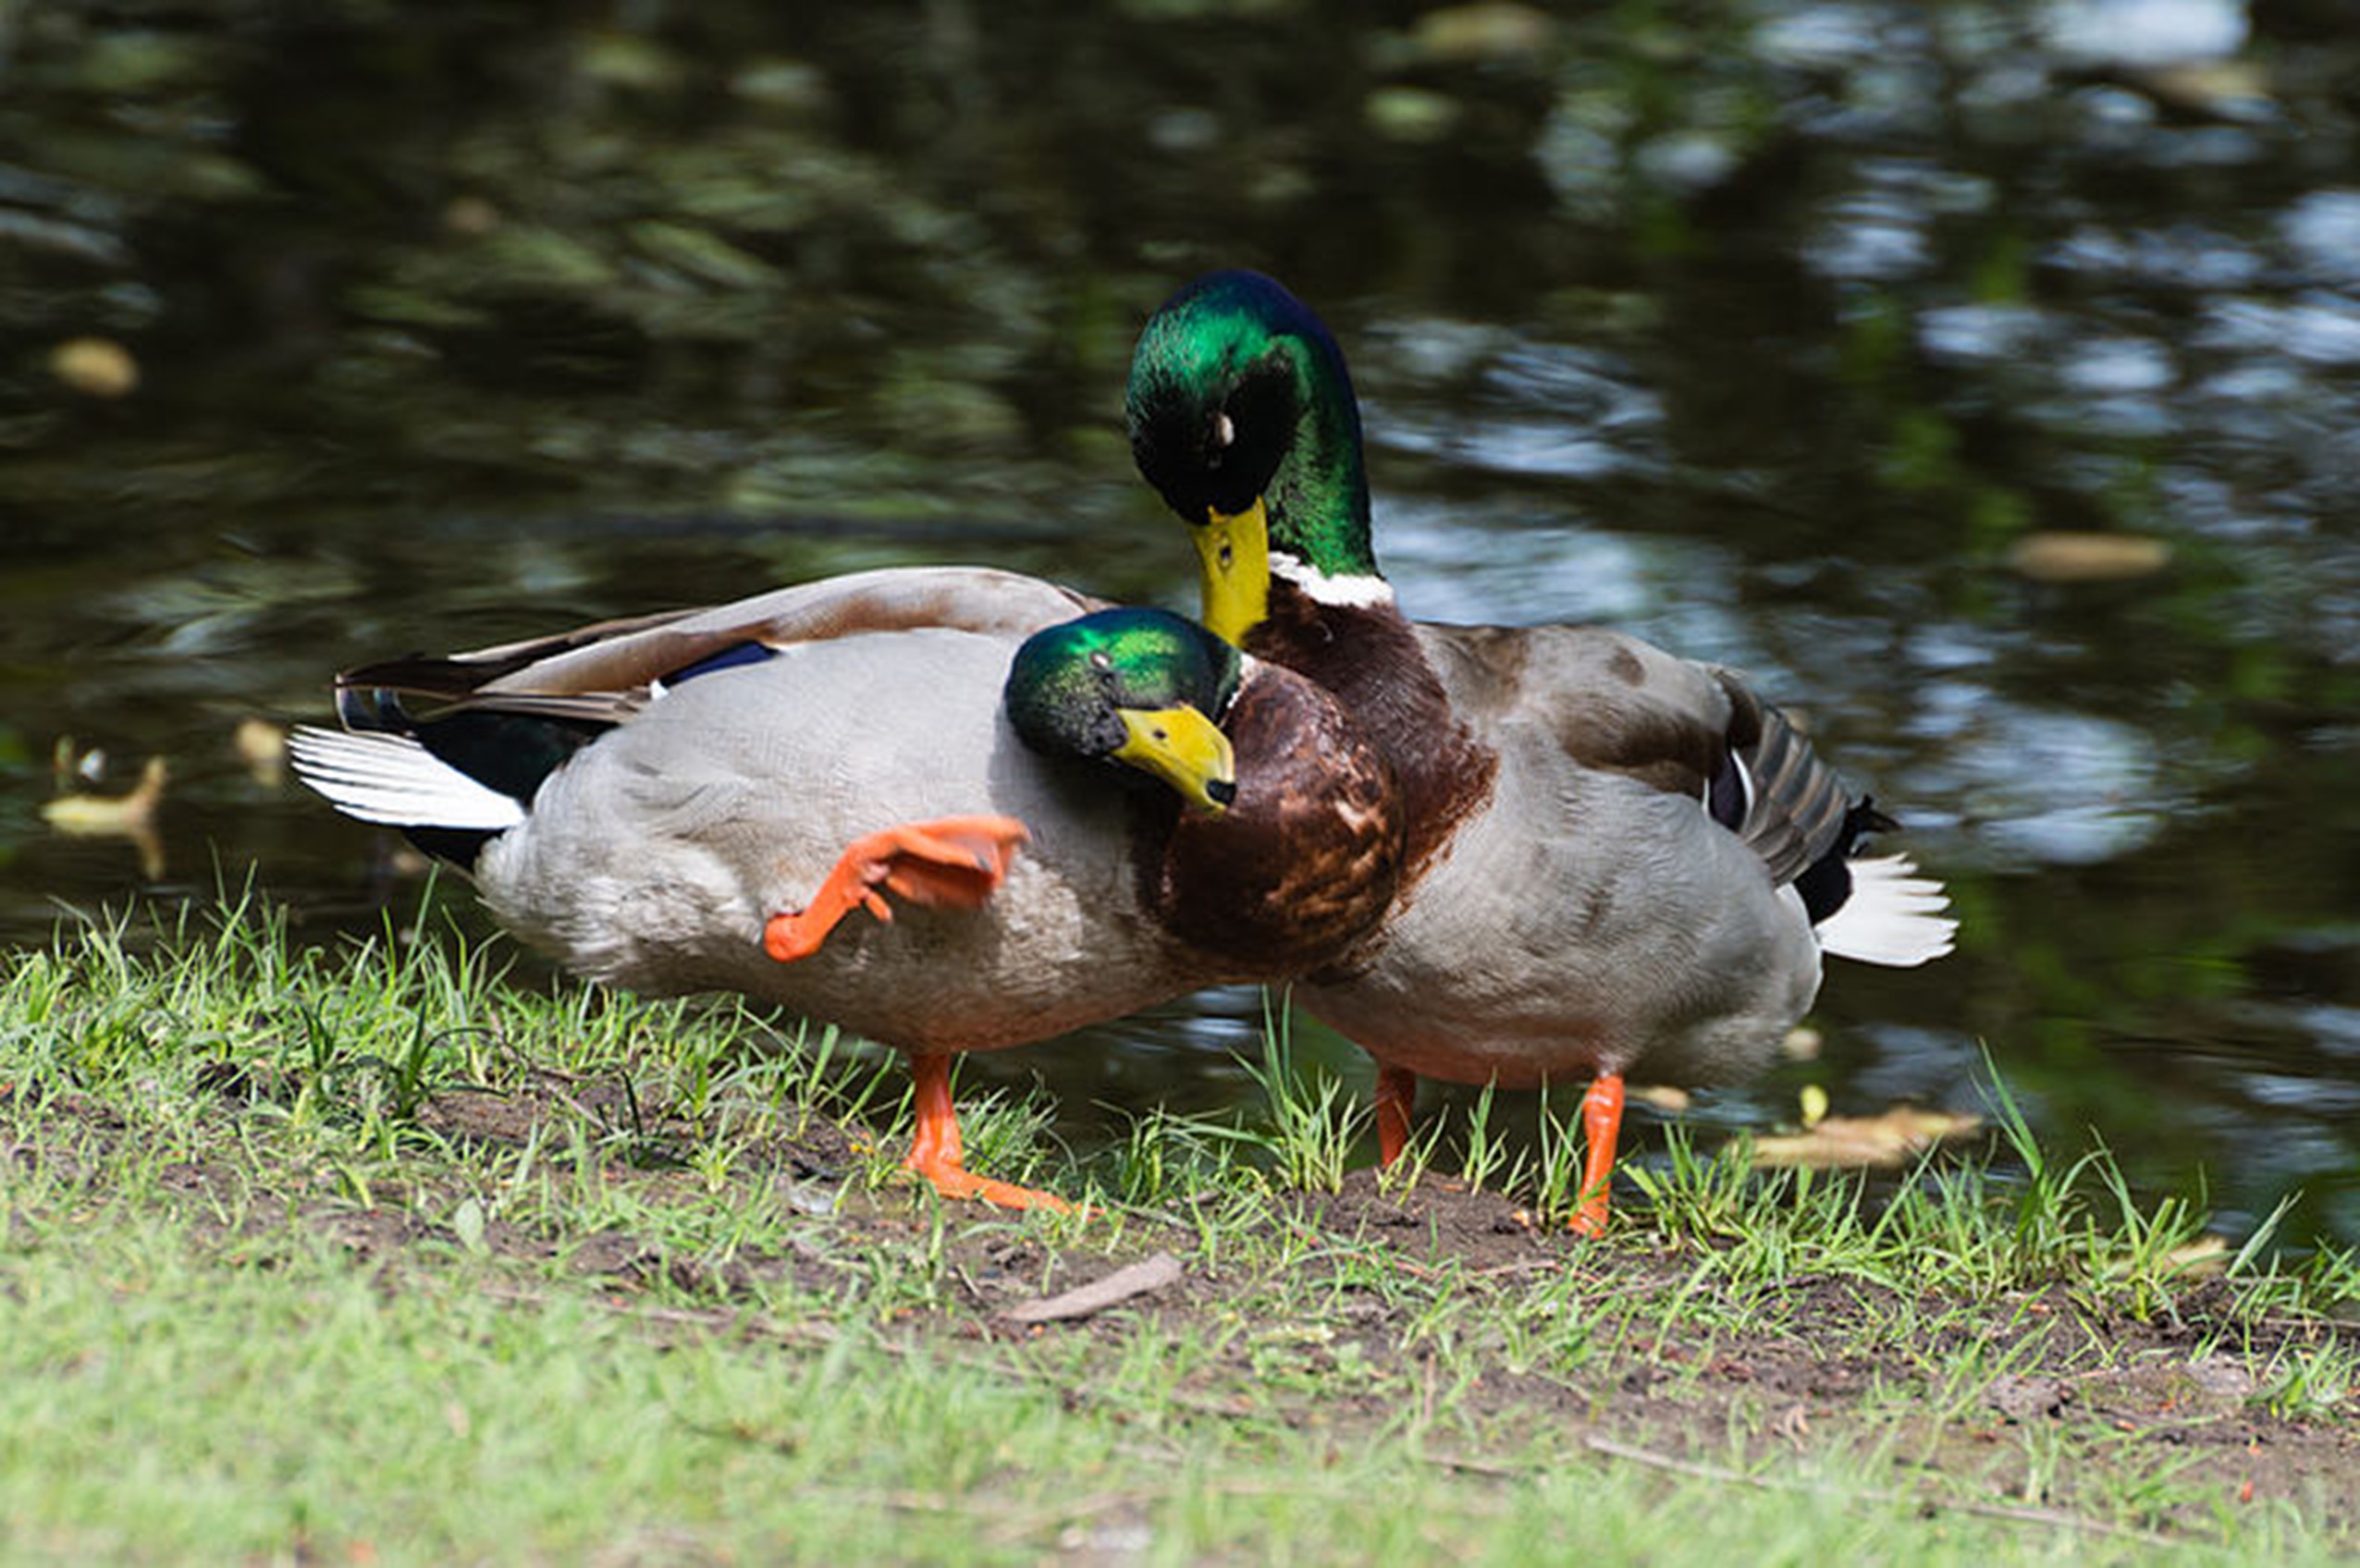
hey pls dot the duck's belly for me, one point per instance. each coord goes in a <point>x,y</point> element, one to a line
<point>1644,939</point>
<point>653,859</point>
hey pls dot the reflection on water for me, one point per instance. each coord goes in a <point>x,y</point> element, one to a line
<point>1774,334</point>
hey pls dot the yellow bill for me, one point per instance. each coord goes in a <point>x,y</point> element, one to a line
<point>1234,548</point>
<point>1180,746</point>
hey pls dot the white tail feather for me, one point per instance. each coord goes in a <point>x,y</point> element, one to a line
<point>1894,916</point>
<point>393,779</point>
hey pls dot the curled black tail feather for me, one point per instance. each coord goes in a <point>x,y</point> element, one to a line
<point>1826,882</point>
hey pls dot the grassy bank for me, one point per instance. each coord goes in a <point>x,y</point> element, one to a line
<point>369,1256</point>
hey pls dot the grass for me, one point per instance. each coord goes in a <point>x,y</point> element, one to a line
<point>371,1256</point>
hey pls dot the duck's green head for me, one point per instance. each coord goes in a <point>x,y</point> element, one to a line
<point>1139,688</point>
<point>1242,417</point>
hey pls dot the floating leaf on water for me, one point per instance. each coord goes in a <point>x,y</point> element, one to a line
<point>99,814</point>
<point>1814,1105</point>
<point>1411,114</point>
<point>2236,89</point>
<point>128,816</point>
<point>1842,1142</point>
<point>1662,1097</point>
<point>2064,555</point>
<point>96,367</point>
<point>2204,1255</point>
<point>1493,30</point>
<point>262,746</point>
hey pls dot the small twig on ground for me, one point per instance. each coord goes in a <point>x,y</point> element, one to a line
<point>1084,1301</point>
<point>1488,1469</point>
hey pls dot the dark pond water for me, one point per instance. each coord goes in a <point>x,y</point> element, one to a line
<point>1787,335</point>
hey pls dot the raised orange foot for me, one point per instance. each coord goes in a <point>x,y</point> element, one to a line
<point>947,861</point>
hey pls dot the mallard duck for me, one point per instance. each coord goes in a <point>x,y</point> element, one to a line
<point>703,801</point>
<point>1617,858</point>
<point>1291,875</point>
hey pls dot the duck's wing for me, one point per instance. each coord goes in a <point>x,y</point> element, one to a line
<point>1616,705</point>
<point>454,749</point>
<point>601,674</point>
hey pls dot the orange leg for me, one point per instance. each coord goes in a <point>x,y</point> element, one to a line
<point>935,1151</point>
<point>1397,1097</point>
<point>949,862</point>
<point>1602,1110</point>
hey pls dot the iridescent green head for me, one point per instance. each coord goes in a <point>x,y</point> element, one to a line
<point>1138,687</point>
<point>1242,416</point>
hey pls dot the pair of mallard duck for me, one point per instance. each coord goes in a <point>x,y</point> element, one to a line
<point>1483,853</point>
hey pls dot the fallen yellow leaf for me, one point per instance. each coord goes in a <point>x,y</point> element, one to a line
<point>100,815</point>
<point>1872,1141</point>
<point>2205,1255</point>
<point>2065,555</point>
<point>97,367</point>
<point>262,746</point>
<point>1814,1105</point>
<point>128,816</point>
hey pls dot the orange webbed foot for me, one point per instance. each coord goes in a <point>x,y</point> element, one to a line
<point>944,862</point>
<point>936,1153</point>
<point>958,1182</point>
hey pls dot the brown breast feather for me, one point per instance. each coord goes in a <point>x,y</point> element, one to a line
<point>1293,878</point>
